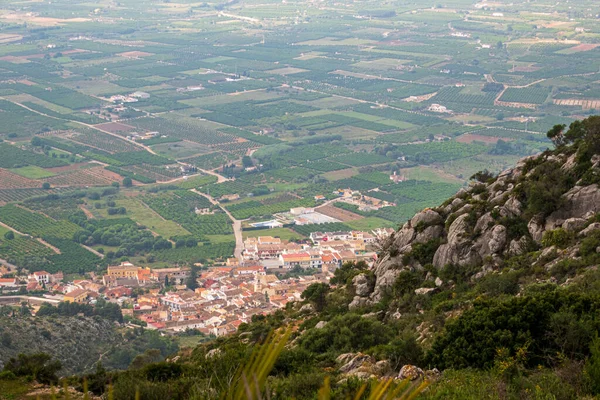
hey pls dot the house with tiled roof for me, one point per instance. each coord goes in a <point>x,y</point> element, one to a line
<point>292,260</point>
<point>76,296</point>
<point>8,282</point>
<point>41,277</point>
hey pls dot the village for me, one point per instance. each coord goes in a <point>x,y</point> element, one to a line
<point>213,300</point>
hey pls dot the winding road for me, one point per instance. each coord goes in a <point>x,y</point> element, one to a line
<point>237,224</point>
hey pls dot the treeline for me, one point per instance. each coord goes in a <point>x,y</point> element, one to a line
<point>102,308</point>
<point>129,237</point>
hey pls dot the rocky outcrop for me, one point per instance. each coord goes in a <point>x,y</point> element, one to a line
<point>471,229</point>
<point>459,250</point>
<point>591,228</point>
<point>579,202</point>
<point>361,285</point>
<point>426,218</point>
<point>410,372</point>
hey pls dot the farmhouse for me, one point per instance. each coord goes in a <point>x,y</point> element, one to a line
<point>8,282</point>
<point>290,261</point>
<point>76,296</point>
<point>41,277</point>
<point>438,108</point>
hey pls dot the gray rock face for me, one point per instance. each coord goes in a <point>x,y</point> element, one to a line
<point>498,239</point>
<point>484,223</point>
<point>382,367</point>
<point>517,247</point>
<point>459,250</point>
<point>355,362</point>
<point>213,353</point>
<point>492,242</point>
<point>357,302</point>
<point>404,237</point>
<point>320,324</point>
<point>458,229</point>
<point>514,206</point>
<point>423,291</point>
<point>430,233</point>
<point>593,227</point>
<point>344,358</point>
<point>574,224</point>
<point>388,278</point>
<point>536,229</point>
<point>361,285</point>
<point>580,202</point>
<point>426,217</point>
<point>307,308</point>
<point>410,372</point>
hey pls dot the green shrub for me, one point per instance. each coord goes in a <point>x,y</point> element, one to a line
<point>560,238</point>
<point>7,376</point>
<point>38,366</point>
<point>497,284</point>
<point>592,367</point>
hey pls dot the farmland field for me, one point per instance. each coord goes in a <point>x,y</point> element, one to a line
<point>32,172</point>
<point>165,116</point>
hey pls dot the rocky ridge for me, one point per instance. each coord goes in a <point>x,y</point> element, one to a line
<point>489,222</point>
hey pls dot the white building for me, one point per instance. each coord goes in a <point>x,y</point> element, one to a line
<point>41,277</point>
<point>438,108</point>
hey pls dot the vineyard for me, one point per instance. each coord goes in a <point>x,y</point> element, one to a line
<point>139,157</point>
<point>324,165</point>
<point>101,140</point>
<point>130,174</point>
<point>428,153</point>
<point>25,252</point>
<point>255,111</point>
<point>14,157</point>
<point>399,115</point>
<point>361,159</point>
<point>452,96</point>
<point>530,95</point>
<point>238,148</point>
<point>35,224</point>
<point>217,190</point>
<point>196,181</point>
<point>96,176</point>
<point>8,180</point>
<point>55,206</point>
<point>306,230</point>
<point>179,206</point>
<point>11,195</point>
<point>260,139</point>
<point>196,254</point>
<point>211,160</point>
<point>73,259</point>
<point>183,128</point>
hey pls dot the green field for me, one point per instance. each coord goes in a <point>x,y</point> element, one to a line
<point>370,223</point>
<point>144,215</point>
<point>32,172</point>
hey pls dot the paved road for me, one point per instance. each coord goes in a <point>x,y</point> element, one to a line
<point>237,225</point>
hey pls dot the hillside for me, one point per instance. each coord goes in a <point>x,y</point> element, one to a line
<point>494,293</point>
<point>78,342</point>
